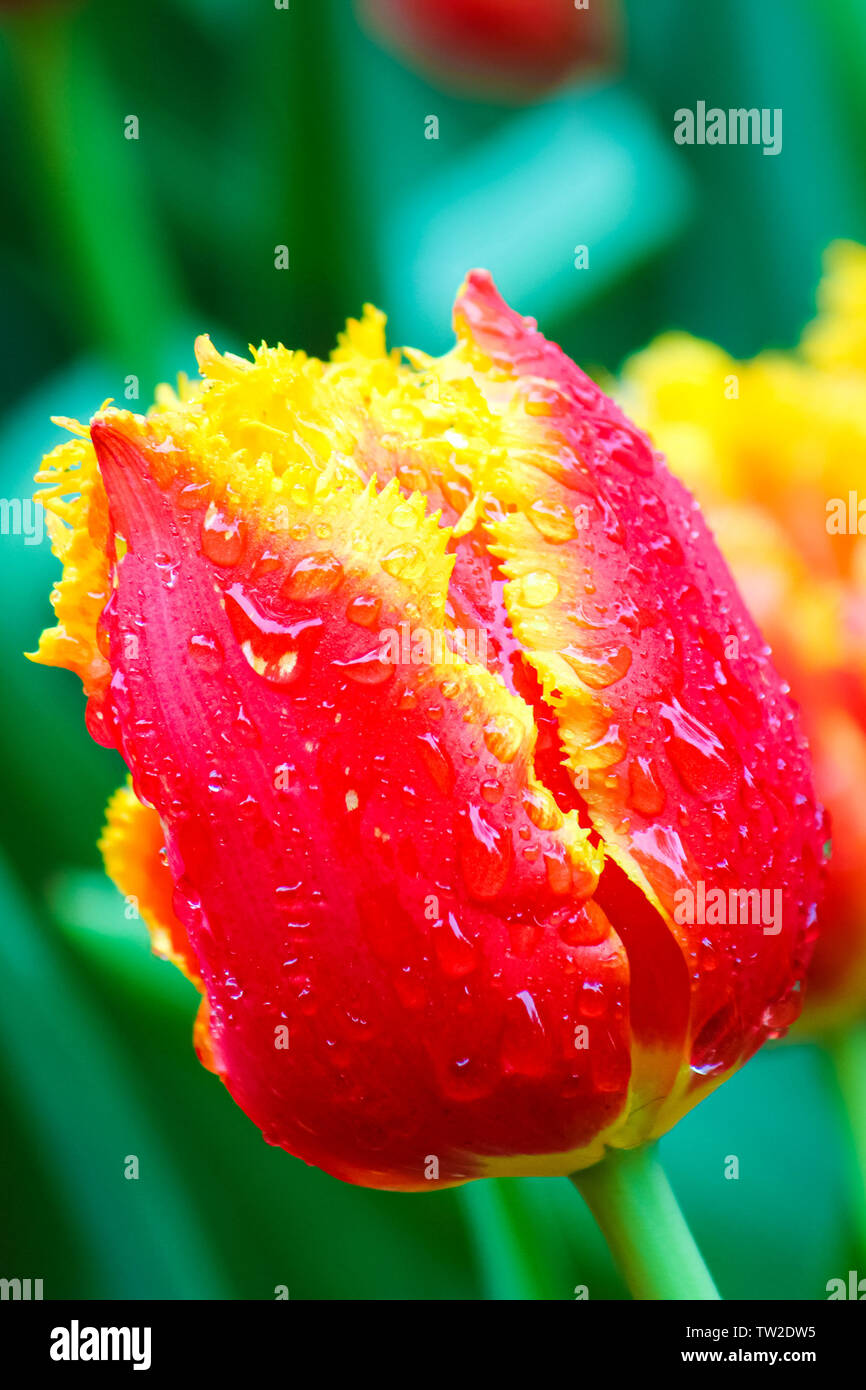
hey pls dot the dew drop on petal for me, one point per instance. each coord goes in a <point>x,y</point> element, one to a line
<point>367,669</point>
<point>542,809</point>
<point>558,868</point>
<point>486,853</point>
<point>278,651</point>
<point>718,1044</point>
<point>400,561</point>
<point>536,589</point>
<point>779,1015</point>
<point>206,652</point>
<point>456,954</point>
<point>437,762</point>
<point>525,1048</point>
<point>222,536</point>
<point>364,610</point>
<point>491,790</point>
<point>193,495</point>
<point>465,1077</point>
<point>592,1000</point>
<point>503,736</point>
<point>700,759</point>
<point>101,720</point>
<point>646,795</point>
<point>313,576</point>
<point>553,520</point>
<point>583,926</point>
<point>601,667</point>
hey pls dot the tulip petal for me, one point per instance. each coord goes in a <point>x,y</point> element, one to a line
<point>338,874</point>
<point>694,768</point>
<point>773,449</point>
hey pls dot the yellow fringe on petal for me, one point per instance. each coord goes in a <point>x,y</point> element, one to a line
<point>133,849</point>
<point>77,520</point>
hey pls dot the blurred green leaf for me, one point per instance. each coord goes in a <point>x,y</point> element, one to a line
<point>587,168</point>
<point>69,1083</point>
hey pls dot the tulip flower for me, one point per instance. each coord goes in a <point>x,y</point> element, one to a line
<point>523,46</point>
<point>460,777</point>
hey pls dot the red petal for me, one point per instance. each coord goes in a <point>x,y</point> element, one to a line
<point>356,843</point>
<point>697,771</point>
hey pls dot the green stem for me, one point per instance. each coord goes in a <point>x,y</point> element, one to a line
<point>848,1053</point>
<point>632,1201</point>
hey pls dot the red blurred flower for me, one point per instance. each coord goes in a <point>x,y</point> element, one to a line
<point>517,45</point>
<point>422,775</point>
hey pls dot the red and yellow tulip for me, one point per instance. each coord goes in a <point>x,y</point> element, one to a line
<point>775,450</point>
<point>436,697</point>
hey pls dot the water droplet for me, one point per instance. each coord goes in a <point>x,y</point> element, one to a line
<point>610,522</point>
<point>244,730</point>
<point>437,762</point>
<point>624,445</point>
<point>278,651</point>
<point>542,809</point>
<point>206,652</point>
<point>536,589</point>
<point>558,867</point>
<point>455,952</point>
<point>266,563</point>
<point>100,717</point>
<point>646,794</point>
<point>403,517</point>
<point>525,1046</point>
<point>585,926</point>
<point>193,495</point>
<point>400,561</point>
<point>222,536</point>
<point>313,576</point>
<point>168,569</point>
<point>779,1015</point>
<point>368,669</point>
<point>486,854</point>
<point>718,1044</point>
<point>667,548</point>
<point>592,1000</point>
<point>708,956</point>
<point>364,610</point>
<point>465,1077</point>
<point>187,905</point>
<point>553,520</point>
<point>503,736</point>
<point>601,667</point>
<point>413,478</point>
<point>491,790</point>
<point>703,764</point>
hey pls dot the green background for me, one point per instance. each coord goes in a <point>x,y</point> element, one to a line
<point>258,128</point>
